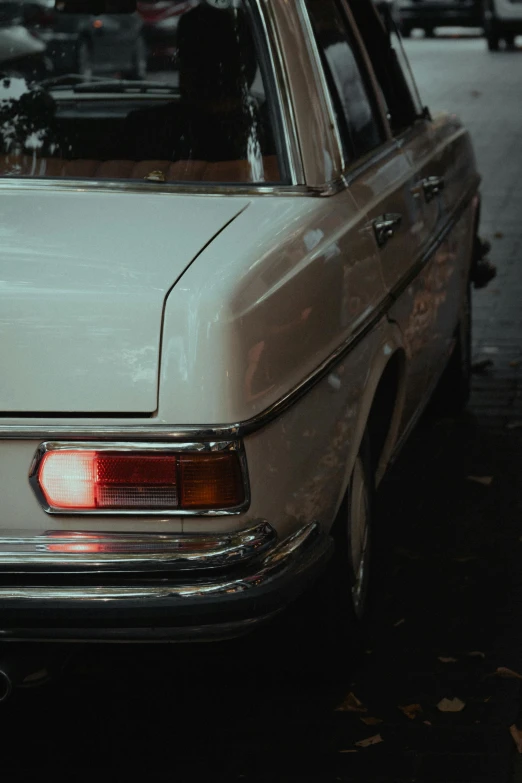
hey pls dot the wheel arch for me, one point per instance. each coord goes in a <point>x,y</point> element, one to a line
<point>381,408</point>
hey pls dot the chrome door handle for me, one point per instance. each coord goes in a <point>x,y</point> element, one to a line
<point>432,186</point>
<point>385,227</point>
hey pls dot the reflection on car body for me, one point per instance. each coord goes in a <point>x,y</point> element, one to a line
<point>229,290</point>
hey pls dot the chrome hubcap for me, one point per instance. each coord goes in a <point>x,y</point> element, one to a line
<point>359,529</point>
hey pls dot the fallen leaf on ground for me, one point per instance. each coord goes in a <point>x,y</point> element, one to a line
<point>513,425</point>
<point>348,751</point>
<point>481,366</point>
<point>485,480</point>
<point>365,743</point>
<point>515,363</point>
<point>371,721</point>
<point>399,622</point>
<point>476,654</point>
<point>517,736</point>
<point>442,659</point>
<point>450,705</point>
<point>427,722</point>
<point>411,711</point>
<point>351,704</point>
<point>498,235</point>
<point>503,671</point>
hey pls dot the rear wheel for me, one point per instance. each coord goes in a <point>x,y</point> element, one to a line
<point>489,22</point>
<point>429,32</point>
<point>493,42</point>
<point>326,626</point>
<point>510,41</point>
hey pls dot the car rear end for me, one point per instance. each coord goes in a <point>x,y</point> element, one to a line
<point>135,502</point>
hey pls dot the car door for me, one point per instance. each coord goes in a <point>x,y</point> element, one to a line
<point>383,183</point>
<point>419,259</point>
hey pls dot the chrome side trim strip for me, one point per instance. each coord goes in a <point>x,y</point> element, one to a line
<point>320,77</point>
<point>71,552</point>
<point>127,446</point>
<point>268,568</point>
<point>165,189</point>
<point>235,431</point>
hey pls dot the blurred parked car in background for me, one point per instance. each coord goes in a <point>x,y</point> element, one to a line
<point>87,43</point>
<point>502,20</point>
<point>429,14</point>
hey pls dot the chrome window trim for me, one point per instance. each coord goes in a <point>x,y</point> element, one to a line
<point>283,98</point>
<point>137,186</point>
<point>289,143</point>
<point>315,59</point>
<point>135,551</point>
<point>349,168</point>
<point>378,100</point>
<point>152,447</point>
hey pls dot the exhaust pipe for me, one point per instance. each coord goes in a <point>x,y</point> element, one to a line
<point>27,668</point>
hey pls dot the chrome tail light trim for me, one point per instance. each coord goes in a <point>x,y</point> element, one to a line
<point>153,448</point>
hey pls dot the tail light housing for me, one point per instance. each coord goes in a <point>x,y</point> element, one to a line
<point>100,478</point>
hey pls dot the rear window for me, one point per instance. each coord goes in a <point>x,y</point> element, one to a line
<point>171,92</point>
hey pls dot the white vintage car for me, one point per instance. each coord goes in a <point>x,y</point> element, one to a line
<point>228,292</point>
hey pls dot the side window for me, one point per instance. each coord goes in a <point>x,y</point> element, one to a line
<point>357,117</point>
<point>389,63</point>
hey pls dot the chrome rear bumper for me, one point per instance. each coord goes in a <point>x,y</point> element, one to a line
<point>187,603</point>
<point>88,551</point>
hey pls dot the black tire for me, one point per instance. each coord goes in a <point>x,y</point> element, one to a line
<point>405,31</point>
<point>429,32</point>
<point>138,69</point>
<point>493,42</point>
<point>327,625</point>
<point>490,25</point>
<point>510,41</point>
<point>452,393</point>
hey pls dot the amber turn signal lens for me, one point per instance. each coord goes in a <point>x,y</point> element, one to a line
<point>86,480</point>
<point>210,481</point>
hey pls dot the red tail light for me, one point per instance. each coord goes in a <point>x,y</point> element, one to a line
<point>89,480</point>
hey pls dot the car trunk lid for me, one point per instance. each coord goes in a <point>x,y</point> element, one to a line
<point>84,277</point>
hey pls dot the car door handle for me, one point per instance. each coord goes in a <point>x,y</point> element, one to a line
<point>432,186</point>
<point>385,227</point>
